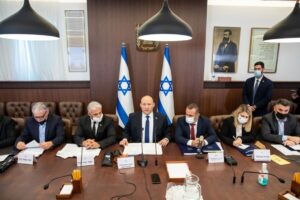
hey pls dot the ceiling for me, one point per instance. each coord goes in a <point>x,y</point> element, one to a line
<point>257,3</point>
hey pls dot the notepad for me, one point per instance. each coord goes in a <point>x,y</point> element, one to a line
<point>279,160</point>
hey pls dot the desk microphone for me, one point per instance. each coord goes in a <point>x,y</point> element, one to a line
<point>281,180</point>
<point>230,161</point>
<point>142,163</point>
<point>200,155</point>
<point>46,186</point>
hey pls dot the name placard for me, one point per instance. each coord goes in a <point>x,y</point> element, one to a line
<point>125,162</point>
<point>25,158</point>
<point>261,155</point>
<point>216,157</point>
<point>86,160</point>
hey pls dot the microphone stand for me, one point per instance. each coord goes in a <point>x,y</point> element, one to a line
<point>142,163</point>
<point>199,154</point>
<point>46,186</point>
<point>281,180</point>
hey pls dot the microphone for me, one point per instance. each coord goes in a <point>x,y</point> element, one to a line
<point>200,155</point>
<point>281,180</point>
<point>46,186</point>
<point>142,163</point>
<point>230,163</point>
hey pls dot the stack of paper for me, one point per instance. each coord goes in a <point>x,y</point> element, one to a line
<point>285,151</point>
<point>72,150</point>
<point>133,149</point>
<point>33,148</point>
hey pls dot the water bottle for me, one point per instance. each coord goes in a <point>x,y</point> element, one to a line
<point>263,178</point>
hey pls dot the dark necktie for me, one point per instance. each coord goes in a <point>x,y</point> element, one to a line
<point>94,128</point>
<point>193,136</point>
<point>147,129</point>
<point>254,91</point>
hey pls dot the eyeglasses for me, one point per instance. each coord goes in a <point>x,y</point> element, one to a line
<point>40,117</point>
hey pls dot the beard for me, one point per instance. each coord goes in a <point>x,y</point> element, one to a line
<point>225,39</point>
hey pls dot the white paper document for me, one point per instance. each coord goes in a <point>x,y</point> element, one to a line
<point>296,147</point>
<point>2,157</point>
<point>133,149</point>
<point>290,197</point>
<point>72,150</point>
<point>243,146</point>
<point>285,151</point>
<point>33,144</point>
<point>36,151</point>
<point>178,170</point>
<point>66,190</point>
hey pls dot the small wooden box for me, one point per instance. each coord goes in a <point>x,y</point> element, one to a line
<point>295,188</point>
<point>177,179</point>
<point>64,196</point>
<point>77,185</point>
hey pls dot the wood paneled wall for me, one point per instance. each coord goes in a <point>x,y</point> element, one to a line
<point>111,22</point>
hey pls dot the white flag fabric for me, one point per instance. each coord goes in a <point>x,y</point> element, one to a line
<point>124,102</point>
<point>166,99</point>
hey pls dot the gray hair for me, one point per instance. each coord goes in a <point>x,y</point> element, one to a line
<point>92,105</point>
<point>38,106</point>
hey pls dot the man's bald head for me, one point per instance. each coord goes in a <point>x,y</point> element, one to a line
<point>147,104</point>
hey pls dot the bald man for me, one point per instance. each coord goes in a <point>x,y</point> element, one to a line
<point>146,126</point>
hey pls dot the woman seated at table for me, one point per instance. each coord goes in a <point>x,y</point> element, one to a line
<point>237,129</point>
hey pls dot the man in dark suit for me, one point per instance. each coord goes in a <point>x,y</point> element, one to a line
<point>280,126</point>
<point>44,127</point>
<point>190,127</point>
<point>226,55</point>
<point>257,91</point>
<point>95,130</point>
<point>146,126</point>
<point>7,131</point>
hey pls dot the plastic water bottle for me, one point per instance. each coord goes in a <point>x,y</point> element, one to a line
<point>263,178</point>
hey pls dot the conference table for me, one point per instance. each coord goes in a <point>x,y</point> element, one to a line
<point>22,181</point>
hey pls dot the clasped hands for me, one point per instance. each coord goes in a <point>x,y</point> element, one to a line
<point>291,141</point>
<point>164,142</point>
<point>90,144</point>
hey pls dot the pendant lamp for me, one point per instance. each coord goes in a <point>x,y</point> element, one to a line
<point>27,24</point>
<point>287,30</point>
<point>165,26</point>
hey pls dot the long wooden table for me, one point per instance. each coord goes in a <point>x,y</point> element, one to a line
<point>27,181</point>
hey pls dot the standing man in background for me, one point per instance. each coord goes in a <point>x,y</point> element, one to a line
<point>257,91</point>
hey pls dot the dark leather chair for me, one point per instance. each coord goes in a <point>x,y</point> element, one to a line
<point>256,125</point>
<point>50,104</point>
<point>217,121</point>
<point>1,108</point>
<point>18,109</point>
<point>272,103</point>
<point>71,110</point>
<point>20,124</point>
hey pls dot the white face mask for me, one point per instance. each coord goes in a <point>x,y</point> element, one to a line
<point>189,120</point>
<point>257,73</point>
<point>97,119</point>
<point>242,120</point>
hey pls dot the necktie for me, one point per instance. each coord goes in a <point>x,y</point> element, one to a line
<point>94,128</point>
<point>147,129</point>
<point>254,91</point>
<point>193,137</point>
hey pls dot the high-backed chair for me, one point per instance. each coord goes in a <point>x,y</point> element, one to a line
<point>256,125</point>
<point>18,109</point>
<point>217,121</point>
<point>175,118</point>
<point>67,129</point>
<point>1,108</point>
<point>20,124</point>
<point>71,110</point>
<point>50,104</point>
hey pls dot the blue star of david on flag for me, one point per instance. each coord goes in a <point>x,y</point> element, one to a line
<point>166,86</point>
<point>124,85</point>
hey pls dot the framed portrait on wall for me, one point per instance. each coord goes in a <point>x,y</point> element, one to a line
<point>262,51</point>
<point>225,49</point>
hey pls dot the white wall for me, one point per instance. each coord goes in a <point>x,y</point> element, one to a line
<point>247,17</point>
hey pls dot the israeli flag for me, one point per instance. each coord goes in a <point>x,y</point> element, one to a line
<point>124,102</point>
<point>166,100</point>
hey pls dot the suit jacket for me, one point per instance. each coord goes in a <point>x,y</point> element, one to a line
<point>262,97</point>
<point>54,130</point>
<point>182,132</point>
<point>133,128</point>
<point>269,128</point>
<point>7,131</point>
<point>105,136</point>
<point>226,56</point>
<point>228,131</point>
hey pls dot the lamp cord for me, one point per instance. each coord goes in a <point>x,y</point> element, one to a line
<point>146,185</point>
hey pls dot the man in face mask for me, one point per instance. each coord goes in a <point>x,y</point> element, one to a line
<point>95,130</point>
<point>280,126</point>
<point>193,125</point>
<point>226,54</point>
<point>43,127</point>
<point>257,91</point>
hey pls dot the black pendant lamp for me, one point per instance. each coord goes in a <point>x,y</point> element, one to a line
<point>287,30</point>
<point>27,24</point>
<point>165,26</point>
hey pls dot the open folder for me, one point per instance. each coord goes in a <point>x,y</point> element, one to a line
<point>187,150</point>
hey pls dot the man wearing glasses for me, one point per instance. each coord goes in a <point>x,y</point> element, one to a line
<point>43,127</point>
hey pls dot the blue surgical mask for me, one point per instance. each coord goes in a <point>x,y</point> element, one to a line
<point>257,73</point>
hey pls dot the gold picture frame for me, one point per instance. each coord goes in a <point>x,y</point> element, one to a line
<point>143,45</point>
<point>262,51</point>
